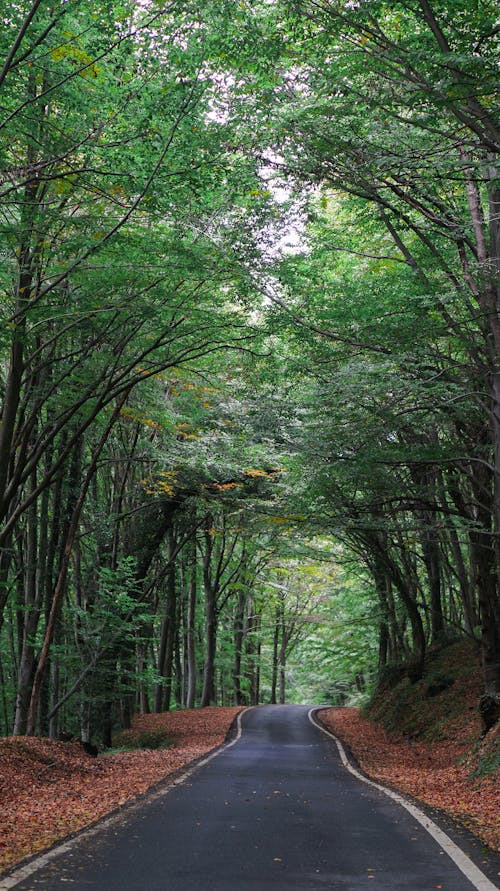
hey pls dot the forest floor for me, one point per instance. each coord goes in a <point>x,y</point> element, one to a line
<point>425,739</point>
<point>427,746</point>
<point>51,789</point>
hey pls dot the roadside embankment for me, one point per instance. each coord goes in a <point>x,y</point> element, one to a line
<point>424,739</point>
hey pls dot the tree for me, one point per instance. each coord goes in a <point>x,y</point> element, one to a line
<point>395,109</point>
<point>189,403</point>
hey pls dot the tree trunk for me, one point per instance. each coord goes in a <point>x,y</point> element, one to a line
<point>16,363</point>
<point>238,635</point>
<point>282,660</point>
<point>165,656</point>
<point>190,634</point>
<point>208,696</point>
<point>275,666</point>
<point>404,585</point>
<point>252,652</point>
<point>54,696</point>
<point>63,571</point>
<point>483,554</point>
<point>143,700</point>
<point>32,605</point>
<point>432,560</point>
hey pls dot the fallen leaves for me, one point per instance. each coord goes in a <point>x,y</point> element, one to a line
<point>50,789</point>
<point>435,772</point>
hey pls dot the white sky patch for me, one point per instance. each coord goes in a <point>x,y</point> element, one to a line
<point>287,236</point>
<point>220,105</point>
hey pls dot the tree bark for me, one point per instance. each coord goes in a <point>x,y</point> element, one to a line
<point>208,696</point>
<point>275,665</point>
<point>63,571</point>
<point>238,635</point>
<point>165,656</point>
<point>32,603</point>
<point>191,632</point>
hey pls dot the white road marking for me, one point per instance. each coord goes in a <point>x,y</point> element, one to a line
<point>24,872</point>
<point>464,863</point>
<point>479,881</point>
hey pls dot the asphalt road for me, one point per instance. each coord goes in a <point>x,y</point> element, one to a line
<point>277,810</point>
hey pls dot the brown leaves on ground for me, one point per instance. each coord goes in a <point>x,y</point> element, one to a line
<point>50,789</point>
<point>438,773</point>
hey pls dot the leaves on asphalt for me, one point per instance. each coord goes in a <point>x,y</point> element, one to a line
<point>438,773</point>
<point>50,789</point>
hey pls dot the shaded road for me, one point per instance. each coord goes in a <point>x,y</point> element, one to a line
<point>275,811</point>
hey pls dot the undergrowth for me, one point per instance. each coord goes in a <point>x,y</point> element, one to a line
<point>442,705</point>
<point>485,756</point>
<point>140,739</point>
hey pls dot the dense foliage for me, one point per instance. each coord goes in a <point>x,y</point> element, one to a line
<point>249,354</point>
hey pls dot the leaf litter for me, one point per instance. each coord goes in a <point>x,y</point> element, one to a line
<point>51,789</point>
<point>437,773</point>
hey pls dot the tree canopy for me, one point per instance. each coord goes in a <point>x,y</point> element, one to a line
<point>249,353</point>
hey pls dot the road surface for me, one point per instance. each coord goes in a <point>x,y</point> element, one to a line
<point>276,810</point>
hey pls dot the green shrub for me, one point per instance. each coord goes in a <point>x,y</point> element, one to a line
<point>488,757</point>
<point>151,739</point>
<point>140,739</point>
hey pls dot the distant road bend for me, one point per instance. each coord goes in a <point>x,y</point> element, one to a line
<point>275,810</point>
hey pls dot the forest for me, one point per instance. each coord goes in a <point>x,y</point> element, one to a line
<point>249,352</point>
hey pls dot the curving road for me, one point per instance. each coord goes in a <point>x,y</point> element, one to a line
<point>275,810</point>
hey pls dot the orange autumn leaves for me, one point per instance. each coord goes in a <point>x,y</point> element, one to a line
<point>436,772</point>
<point>50,789</point>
